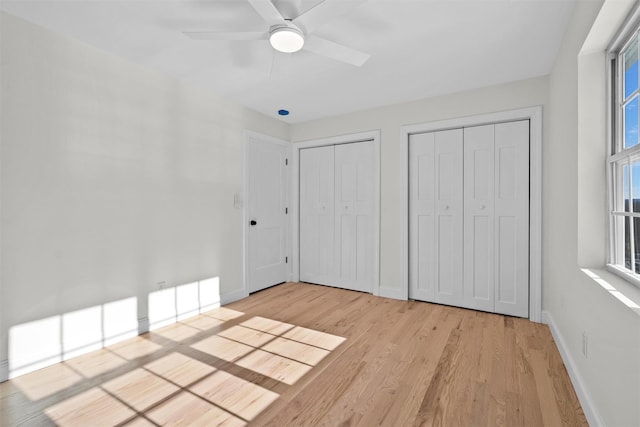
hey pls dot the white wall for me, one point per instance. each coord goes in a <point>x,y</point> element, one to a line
<point>574,163</point>
<point>510,96</point>
<point>114,178</point>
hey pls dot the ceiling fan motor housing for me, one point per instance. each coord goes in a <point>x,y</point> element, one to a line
<point>286,38</point>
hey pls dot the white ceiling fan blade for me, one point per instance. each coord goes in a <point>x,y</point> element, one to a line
<point>267,11</point>
<point>226,35</point>
<point>325,12</point>
<point>335,51</point>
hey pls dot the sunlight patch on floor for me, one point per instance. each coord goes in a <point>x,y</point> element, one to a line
<point>314,338</point>
<point>278,350</point>
<point>235,395</point>
<point>223,313</point>
<point>222,348</point>
<point>47,381</point>
<point>193,410</point>
<point>216,372</point>
<point>177,331</point>
<point>96,363</point>
<point>140,389</point>
<point>246,336</point>
<point>88,407</point>
<point>180,369</point>
<point>135,348</point>
<point>273,366</point>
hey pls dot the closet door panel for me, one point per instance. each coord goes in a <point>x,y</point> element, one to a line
<point>364,257</point>
<point>317,199</point>
<point>354,215</point>
<point>446,254</point>
<point>346,253</point>
<point>478,217</point>
<point>435,221</point>
<point>345,238</point>
<point>481,239</point>
<point>422,240</point>
<point>512,218</point>
<point>448,210</point>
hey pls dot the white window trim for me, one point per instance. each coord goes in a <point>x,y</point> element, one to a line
<point>624,274</point>
<point>617,155</point>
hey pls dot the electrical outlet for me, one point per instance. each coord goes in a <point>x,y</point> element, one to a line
<point>585,344</point>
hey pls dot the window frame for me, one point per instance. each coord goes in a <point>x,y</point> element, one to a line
<point>618,156</point>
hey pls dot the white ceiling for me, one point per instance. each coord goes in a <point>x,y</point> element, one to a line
<point>419,48</point>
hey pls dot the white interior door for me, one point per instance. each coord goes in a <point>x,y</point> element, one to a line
<point>435,222</point>
<point>337,215</point>
<point>266,213</point>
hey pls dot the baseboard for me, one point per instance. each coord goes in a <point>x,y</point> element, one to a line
<point>588,407</point>
<point>4,370</point>
<point>394,293</point>
<point>209,307</point>
<point>143,325</point>
<point>230,297</point>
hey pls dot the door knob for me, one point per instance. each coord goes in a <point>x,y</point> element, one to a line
<point>253,222</point>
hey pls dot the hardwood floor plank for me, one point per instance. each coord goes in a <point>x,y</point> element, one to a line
<point>371,394</point>
<point>526,386</point>
<point>496,409</point>
<point>299,354</point>
<point>437,395</point>
<point>397,406</point>
<point>544,388</point>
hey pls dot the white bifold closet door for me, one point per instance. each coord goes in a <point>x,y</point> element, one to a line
<point>496,218</point>
<point>436,216</point>
<point>476,180</point>
<point>337,215</point>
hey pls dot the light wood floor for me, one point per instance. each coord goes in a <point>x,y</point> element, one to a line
<point>300,354</point>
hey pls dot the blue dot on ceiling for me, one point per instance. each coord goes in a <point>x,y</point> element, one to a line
<point>283,112</point>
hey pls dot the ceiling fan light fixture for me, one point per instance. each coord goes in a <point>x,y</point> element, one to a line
<point>286,39</point>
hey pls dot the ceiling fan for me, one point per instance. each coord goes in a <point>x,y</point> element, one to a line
<point>292,34</point>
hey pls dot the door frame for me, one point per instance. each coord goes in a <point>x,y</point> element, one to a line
<point>374,137</point>
<point>267,139</point>
<point>534,115</point>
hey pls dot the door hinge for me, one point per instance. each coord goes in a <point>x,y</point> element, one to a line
<point>286,211</point>
<point>286,162</point>
<point>286,260</point>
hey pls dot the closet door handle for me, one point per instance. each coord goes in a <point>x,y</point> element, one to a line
<point>253,222</point>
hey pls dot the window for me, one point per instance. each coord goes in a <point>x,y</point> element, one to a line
<point>624,159</point>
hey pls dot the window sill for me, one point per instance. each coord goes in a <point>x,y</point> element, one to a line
<point>618,284</point>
